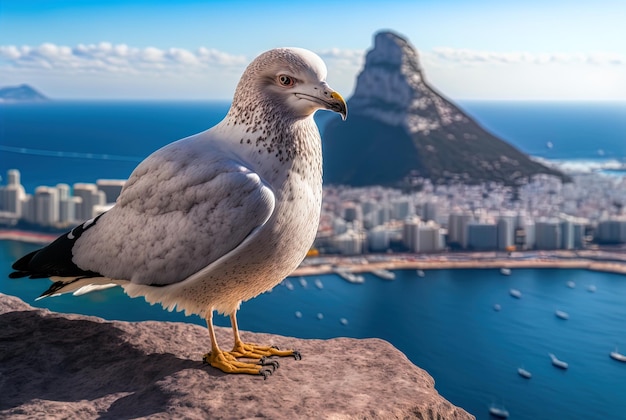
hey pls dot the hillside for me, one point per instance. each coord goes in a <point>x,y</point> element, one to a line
<point>21,93</point>
<point>400,129</point>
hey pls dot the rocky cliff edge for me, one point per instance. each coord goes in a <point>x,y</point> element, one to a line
<point>56,365</point>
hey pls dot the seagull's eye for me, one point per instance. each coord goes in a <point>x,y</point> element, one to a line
<point>285,80</point>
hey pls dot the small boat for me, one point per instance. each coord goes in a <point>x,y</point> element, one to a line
<point>558,363</point>
<point>497,307</point>
<point>515,293</point>
<point>616,355</point>
<point>499,412</point>
<point>349,276</point>
<point>524,373</point>
<point>343,321</point>
<point>591,288</point>
<point>320,316</point>
<point>288,284</point>
<point>561,314</point>
<point>420,273</point>
<point>571,284</point>
<point>384,274</point>
<point>505,271</point>
<point>302,281</point>
<point>298,314</point>
<point>319,284</point>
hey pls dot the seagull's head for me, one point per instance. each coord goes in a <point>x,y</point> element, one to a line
<point>291,80</point>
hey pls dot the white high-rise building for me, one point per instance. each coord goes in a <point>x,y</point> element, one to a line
<point>506,232</point>
<point>350,242</point>
<point>378,239</point>
<point>409,231</point>
<point>548,234</point>
<point>46,206</point>
<point>12,195</point>
<point>422,237</point>
<point>429,238</point>
<point>457,228</point>
<point>612,230</point>
<point>430,211</point>
<point>482,236</point>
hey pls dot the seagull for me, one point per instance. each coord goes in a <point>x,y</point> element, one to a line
<point>215,219</point>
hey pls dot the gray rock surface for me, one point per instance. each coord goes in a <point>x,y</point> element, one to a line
<point>56,365</point>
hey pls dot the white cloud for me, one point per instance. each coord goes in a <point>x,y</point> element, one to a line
<point>476,57</point>
<point>120,58</point>
<point>106,70</point>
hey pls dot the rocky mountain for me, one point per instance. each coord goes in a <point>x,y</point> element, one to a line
<point>400,129</point>
<point>21,93</point>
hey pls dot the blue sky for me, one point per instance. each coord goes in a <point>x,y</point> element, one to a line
<point>189,49</point>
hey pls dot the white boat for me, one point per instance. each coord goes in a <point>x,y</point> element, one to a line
<point>497,307</point>
<point>348,276</point>
<point>319,284</point>
<point>515,293</point>
<point>288,284</point>
<point>343,321</point>
<point>505,271</point>
<point>558,363</point>
<point>571,284</point>
<point>499,412</point>
<point>298,314</point>
<point>591,288</point>
<point>320,315</point>
<point>302,281</point>
<point>384,274</point>
<point>561,314</point>
<point>524,373</point>
<point>616,355</point>
<point>420,273</point>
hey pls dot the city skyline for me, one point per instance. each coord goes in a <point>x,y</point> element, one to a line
<point>197,50</point>
<point>547,214</point>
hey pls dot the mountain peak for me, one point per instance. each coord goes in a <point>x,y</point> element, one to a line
<point>392,88</point>
<point>400,129</point>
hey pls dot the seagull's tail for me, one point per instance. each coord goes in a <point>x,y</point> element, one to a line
<point>79,285</point>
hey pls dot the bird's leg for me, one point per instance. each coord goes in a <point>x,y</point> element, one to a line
<point>255,351</point>
<point>227,362</point>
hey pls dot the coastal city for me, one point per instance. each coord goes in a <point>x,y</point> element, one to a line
<point>543,215</point>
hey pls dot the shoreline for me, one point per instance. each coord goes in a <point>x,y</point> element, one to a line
<point>437,264</point>
<point>593,260</point>
<point>27,236</point>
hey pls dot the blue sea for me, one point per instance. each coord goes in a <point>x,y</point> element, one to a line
<point>444,322</point>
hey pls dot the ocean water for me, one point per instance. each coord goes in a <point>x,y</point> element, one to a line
<point>443,322</point>
<point>69,141</point>
<point>557,130</point>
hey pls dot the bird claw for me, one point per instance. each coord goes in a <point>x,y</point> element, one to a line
<point>265,361</point>
<point>265,373</point>
<point>297,355</point>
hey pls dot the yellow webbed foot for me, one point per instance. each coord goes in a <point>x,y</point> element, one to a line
<point>255,351</point>
<point>228,363</point>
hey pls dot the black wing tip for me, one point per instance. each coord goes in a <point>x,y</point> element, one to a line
<point>23,263</point>
<point>18,274</point>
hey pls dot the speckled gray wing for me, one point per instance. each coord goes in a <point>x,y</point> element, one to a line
<point>184,207</point>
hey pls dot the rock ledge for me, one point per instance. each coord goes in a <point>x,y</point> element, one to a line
<point>72,366</point>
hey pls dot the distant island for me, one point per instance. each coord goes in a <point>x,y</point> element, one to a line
<point>21,93</point>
